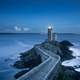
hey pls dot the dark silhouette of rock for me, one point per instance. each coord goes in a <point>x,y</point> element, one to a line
<point>19,64</point>
<point>31,59</point>
<point>28,59</point>
<point>19,74</point>
<point>66,43</point>
<point>68,73</point>
<point>65,52</point>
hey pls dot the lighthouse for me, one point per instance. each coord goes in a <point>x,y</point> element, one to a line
<point>50,38</point>
<point>51,35</point>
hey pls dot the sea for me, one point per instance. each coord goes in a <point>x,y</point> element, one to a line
<point>11,45</point>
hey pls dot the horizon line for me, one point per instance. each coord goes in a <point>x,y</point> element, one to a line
<point>35,33</point>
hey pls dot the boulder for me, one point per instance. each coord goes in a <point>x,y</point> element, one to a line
<point>65,52</point>
<point>28,59</point>
<point>19,64</point>
<point>19,74</point>
<point>66,43</point>
<point>70,75</point>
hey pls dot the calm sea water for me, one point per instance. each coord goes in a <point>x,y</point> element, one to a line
<point>13,44</point>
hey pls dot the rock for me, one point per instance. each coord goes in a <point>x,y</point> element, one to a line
<point>68,73</point>
<point>31,59</point>
<point>52,46</point>
<point>19,64</point>
<point>19,74</point>
<point>66,43</point>
<point>28,59</point>
<point>65,52</point>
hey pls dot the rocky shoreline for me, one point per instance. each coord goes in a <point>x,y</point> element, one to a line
<point>67,72</point>
<point>30,59</point>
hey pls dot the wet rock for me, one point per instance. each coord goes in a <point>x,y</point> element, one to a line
<point>66,43</point>
<point>19,74</point>
<point>70,75</point>
<point>28,59</point>
<point>65,52</point>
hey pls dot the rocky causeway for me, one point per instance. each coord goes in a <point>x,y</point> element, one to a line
<point>31,59</point>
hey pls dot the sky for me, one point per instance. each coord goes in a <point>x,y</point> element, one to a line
<point>34,16</point>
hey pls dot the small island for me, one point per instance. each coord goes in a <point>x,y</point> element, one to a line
<point>30,59</point>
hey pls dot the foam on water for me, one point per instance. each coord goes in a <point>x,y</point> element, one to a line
<point>72,62</point>
<point>75,62</point>
<point>76,51</point>
<point>14,50</point>
<point>77,69</point>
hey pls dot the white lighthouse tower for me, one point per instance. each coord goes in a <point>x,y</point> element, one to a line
<point>51,35</point>
<point>50,38</point>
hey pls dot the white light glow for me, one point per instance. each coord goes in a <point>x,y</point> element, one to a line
<point>49,27</point>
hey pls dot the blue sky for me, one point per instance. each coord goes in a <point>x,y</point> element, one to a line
<point>36,15</point>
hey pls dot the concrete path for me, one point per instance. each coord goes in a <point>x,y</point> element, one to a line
<point>42,71</point>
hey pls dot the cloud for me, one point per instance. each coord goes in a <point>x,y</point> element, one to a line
<point>21,29</point>
<point>26,29</point>
<point>17,28</point>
